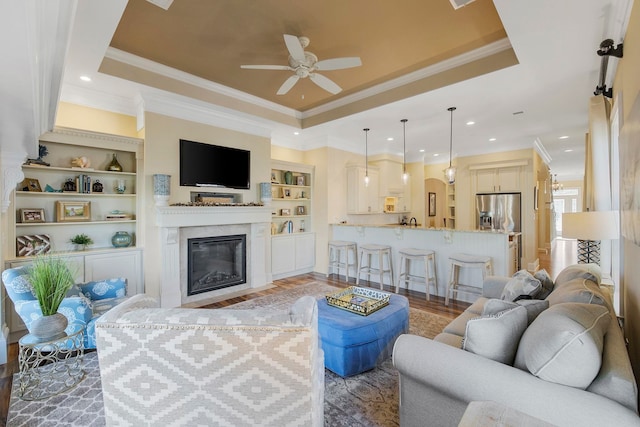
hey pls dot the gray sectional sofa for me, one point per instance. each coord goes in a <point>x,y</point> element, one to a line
<point>566,364</point>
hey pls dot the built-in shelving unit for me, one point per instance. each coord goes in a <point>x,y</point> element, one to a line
<point>37,212</point>
<point>292,237</point>
<point>451,206</point>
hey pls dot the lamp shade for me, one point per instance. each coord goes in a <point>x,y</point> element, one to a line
<point>594,225</point>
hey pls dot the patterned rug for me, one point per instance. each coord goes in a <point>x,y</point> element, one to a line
<point>367,399</point>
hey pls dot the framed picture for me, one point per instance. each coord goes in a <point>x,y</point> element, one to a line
<point>300,180</point>
<point>274,179</point>
<point>432,204</point>
<point>286,193</point>
<point>30,184</point>
<point>73,211</point>
<point>37,244</point>
<point>32,215</point>
<point>301,210</point>
<point>285,212</point>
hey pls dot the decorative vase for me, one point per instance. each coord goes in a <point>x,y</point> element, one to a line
<point>121,239</point>
<point>114,166</point>
<point>49,328</point>
<point>288,178</point>
<point>161,188</point>
<point>265,193</point>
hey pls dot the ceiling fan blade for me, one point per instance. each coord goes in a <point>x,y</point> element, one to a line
<point>325,83</point>
<point>294,47</point>
<point>287,85</point>
<point>266,67</point>
<point>338,63</point>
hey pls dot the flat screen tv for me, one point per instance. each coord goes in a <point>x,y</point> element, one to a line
<point>206,165</point>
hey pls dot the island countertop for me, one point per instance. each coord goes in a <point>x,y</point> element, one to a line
<point>444,241</point>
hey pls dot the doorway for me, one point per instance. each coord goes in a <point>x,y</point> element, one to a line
<point>567,200</point>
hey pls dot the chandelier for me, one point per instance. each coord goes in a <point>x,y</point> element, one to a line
<point>555,185</point>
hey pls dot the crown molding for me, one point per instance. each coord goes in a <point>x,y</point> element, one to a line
<point>163,70</point>
<point>465,58</point>
<point>544,154</point>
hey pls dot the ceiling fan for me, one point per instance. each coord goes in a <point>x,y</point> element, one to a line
<point>304,64</point>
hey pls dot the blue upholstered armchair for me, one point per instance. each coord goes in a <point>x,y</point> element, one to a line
<point>83,305</point>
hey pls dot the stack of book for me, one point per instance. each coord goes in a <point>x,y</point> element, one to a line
<point>83,183</point>
<point>118,216</point>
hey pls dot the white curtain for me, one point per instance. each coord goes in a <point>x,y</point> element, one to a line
<point>597,176</point>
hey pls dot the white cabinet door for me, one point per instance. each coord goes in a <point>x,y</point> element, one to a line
<point>127,264</point>
<point>361,199</point>
<point>508,179</point>
<point>485,181</point>
<point>305,251</point>
<point>283,254</point>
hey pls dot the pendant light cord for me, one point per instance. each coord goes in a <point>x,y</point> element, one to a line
<point>404,145</point>
<point>366,152</point>
<point>452,109</point>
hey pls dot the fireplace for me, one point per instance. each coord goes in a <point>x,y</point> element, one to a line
<point>216,262</point>
<point>179,224</point>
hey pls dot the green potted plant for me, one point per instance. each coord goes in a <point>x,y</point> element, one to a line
<point>50,279</point>
<point>81,241</point>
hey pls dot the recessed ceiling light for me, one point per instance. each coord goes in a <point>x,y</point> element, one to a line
<point>390,139</point>
<point>296,133</point>
<point>568,150</point>
<point>436,155</point>
<point>564,137</point>
<point>422,151</point>
<point>85,78</point>
<point>492,139</point>
<point>471,122</point>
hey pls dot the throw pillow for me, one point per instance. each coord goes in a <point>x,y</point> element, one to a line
<point>496,337</point>
<point>577,290</point>
<point>564,344</point>
<point>522,283</point>
<point>584,271</point>
<point>533,306</point>
<point>547,283</point>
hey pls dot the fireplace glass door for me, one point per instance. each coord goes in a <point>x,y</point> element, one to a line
<point>216,262</point>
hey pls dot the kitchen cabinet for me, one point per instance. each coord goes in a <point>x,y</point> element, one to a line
<point>498,180</point>
<point>363,199</point>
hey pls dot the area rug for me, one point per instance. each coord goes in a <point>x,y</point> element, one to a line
<point>367,399</point>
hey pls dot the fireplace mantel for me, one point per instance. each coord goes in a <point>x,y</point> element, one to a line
<point>193,216</point>
<point>176,223</point>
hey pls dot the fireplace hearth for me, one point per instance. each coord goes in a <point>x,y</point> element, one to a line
<point>216,262</point>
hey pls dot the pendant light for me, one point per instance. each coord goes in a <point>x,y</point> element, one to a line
<point>405,175</point>
<point>366,158</point>
<point>450,172</point>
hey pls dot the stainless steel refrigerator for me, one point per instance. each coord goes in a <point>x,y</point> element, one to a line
<point>498,212</point>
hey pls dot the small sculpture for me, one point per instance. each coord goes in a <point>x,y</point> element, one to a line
<point>81,162</point>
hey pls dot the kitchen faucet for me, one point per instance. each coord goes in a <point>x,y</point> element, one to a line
<point>413,220</point>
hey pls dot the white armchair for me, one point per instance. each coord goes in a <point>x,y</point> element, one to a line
<point>211,367</point>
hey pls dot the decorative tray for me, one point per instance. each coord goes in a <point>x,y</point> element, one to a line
<point>357,300</point>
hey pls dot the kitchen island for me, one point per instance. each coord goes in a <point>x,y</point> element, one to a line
<point>498,245</point>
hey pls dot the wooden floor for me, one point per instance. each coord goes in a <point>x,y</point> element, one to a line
<point>562,254</point>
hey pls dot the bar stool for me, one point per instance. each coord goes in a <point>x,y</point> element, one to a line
<point>380,251</point>
<point>428,257</point>
<point>336,249</point>
<point>458,261</point>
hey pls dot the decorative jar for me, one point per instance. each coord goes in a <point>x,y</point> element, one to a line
<point>114,166</point>
<point>121,239</point>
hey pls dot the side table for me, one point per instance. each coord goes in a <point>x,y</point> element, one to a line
<point>51,367</point>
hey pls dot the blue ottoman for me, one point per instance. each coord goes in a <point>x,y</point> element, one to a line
<point>353,343</point>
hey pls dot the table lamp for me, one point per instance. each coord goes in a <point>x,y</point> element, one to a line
<point>590,228</point>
